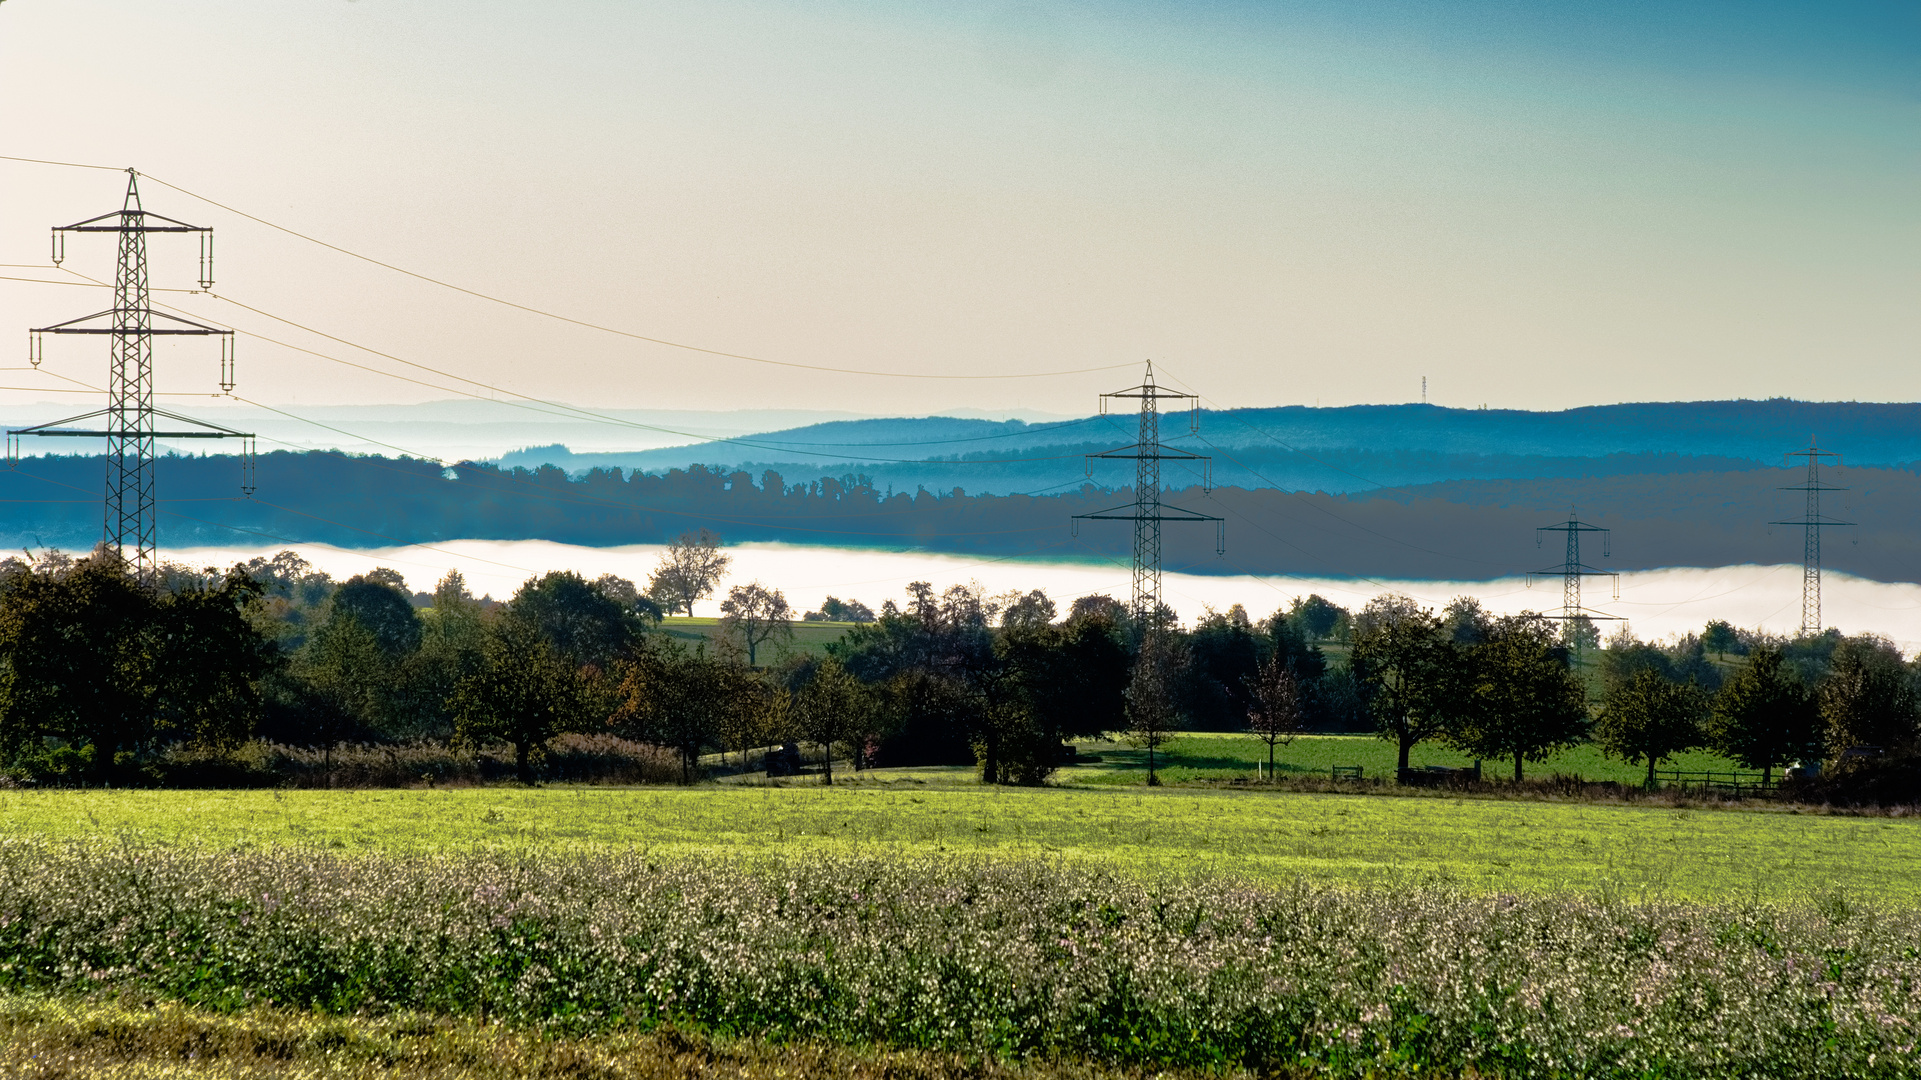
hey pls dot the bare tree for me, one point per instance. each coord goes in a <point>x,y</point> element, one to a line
<point>1151,709</point>
<point>689,570</point>
<point>756,613</point>
<point>1274,710</point>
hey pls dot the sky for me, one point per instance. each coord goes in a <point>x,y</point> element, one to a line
<point>1538,205</point>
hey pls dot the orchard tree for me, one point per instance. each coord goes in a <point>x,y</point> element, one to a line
<point>1275,709</point>
<point>1765,716</point>
<point>831,708</point>
<point>689,570</point>
<point>524,693</point>
<point>1409,666</point>
<point>1650,718</point>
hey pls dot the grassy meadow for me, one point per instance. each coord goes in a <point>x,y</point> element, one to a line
<point>1209,756</point>
<point>809,638</point>
<point>1481,845</point>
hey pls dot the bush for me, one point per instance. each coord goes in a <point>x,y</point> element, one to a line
<point>570,758</point>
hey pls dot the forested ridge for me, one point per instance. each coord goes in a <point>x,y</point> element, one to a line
<point>1457,530</point>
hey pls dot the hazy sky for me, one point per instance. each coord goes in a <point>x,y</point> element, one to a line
<point>1535,205</point>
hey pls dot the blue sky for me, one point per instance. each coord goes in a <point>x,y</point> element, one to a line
<point>1533,205</point>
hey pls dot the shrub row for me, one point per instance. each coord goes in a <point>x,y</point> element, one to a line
<point>1010,959</point>
<point>569,758</point>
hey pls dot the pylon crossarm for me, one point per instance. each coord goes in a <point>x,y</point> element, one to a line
<point>1162,513</point>
<point>92,224</point>
<point>214,428</point>
<point>40,429</point>
<point>72,326</point>
<point>1135,453</point>
<point>1581,569</point>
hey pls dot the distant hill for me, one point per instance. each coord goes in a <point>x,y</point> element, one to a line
<point>1336,450</point>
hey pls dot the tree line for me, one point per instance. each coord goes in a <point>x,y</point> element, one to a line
<point>100,671</point>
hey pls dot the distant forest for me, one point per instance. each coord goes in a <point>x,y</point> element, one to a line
<point>1463,530</point>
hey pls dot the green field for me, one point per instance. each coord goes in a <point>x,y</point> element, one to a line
<point>810,638</point>
<point>1482,845</point>
<point>1209,756</point>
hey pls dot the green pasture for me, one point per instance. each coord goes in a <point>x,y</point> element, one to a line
<point>1478,844</point>
<point>810,638</point>
<point>1204,756</point>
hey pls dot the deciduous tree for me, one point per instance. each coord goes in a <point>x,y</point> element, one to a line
<point>1401,655</point>
<point>1153,711</point>
<point>1275,712</point>
<point>689,570</point>
<point>1523,703</point>
<point>1650,718</point>
<point>1765,716</point>
<point>756,614</point>
<point>1868,698</point>
<point>524,693</point>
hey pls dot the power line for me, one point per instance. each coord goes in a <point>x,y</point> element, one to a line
<point>530,309</point>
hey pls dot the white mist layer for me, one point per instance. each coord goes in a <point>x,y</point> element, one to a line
<point>1655,603</point>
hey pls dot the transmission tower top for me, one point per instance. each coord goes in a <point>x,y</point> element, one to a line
<point>1812,522</point>
<point>130,420</point>
<point>1147,512</point>
<point>1572,570</point>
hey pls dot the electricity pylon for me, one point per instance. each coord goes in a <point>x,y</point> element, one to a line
<point>1572,570</point>
<point>130,425</point>
<point>1147,512</point>
<point>1812,522</point>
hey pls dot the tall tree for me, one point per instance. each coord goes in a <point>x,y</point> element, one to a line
<point>1650,718</point>
<point>756,614</point>
<point>1523,703</point>
<point>583,624</point>
<point>1765,715</point>
<point>689,570</point>
<point>1275,711</point>
<point>524,693</point>
<point>1407,663</point>
<point>383,608</point>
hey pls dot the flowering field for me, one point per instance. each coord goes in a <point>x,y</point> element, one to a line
<point>1011,958</point>
<point>1482,845</point>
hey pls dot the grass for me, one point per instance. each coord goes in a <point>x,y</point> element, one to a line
<point>1205,756</point>
<point>111,1038</point>
<point>810,638</point>
<point>1269,837</point>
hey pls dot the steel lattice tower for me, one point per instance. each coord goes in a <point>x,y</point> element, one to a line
<point>1147,512</point>
<point>1812,522</point>
<point>1572,570</point>
<point>130,416</point>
